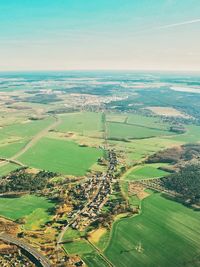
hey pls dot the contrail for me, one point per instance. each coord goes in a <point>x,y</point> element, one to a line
<point>179,24</point>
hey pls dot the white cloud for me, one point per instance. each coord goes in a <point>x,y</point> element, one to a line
<point>179,24</point>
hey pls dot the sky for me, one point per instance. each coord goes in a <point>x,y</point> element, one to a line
<point>99,34</point>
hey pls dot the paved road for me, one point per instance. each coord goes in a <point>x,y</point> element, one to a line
<point>30,250</point>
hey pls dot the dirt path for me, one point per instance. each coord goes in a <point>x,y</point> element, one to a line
<point>32,142</point>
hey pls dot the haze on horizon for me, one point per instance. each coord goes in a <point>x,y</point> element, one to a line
<point>100,34</point>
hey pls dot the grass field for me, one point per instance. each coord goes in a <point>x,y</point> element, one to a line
<point>25,130</point>
<point>37,218</point>
<point>146,171</point>
<point>151,122</point>
<point>61,156</point>
<point>94,260</point>
<point>71,234</point>
<point>10,150</point>
<point>32,208</point>
<point>128,131</point>
<point>141,148</point>
<point>165,234</point>
<point>191,136</point>
<point>87,253</point>
<point>139,120</point>
<point>4,170</point>
<point>85,123</point>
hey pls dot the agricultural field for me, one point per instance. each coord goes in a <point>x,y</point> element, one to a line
<point>85,123</point>
<point>25,129</point>
<point>150,239</point>
<point>146,171</point>
<point>80,146</point>
<point>33,209</point>
<point>86,251</point>
<point>61,156</point>
<point>167,111</point>
<point>7,168</point>
<point>129,131</point>
<point>191,136</point>
<point>9,150</point>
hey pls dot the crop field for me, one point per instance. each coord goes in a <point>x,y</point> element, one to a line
<point>86,251</point>
<point>139,120</point>
<point>165,234</point>
<point>37,218</point>
<point>7,168</point>
<point>192,135</point>
<point>71,234</point>
<point>10,150</point>
<point>151,122</point>
<point>130,131</point>
<point>93,259</point>
<point>29,207</point>
<point>141,148</point>
<point>61,156</point>
<point>146,171</point>
<point>25,129</point>
<point>85,123</point>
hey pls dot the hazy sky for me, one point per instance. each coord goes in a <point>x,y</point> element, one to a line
<point>99,34</point>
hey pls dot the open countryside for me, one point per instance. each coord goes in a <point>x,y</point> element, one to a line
<point>104,184</point>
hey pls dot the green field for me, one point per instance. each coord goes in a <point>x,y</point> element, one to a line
<point>139,120</point>
<point>151,122</point>
<point>94,260</point>
<point>10,150</point>
<point>71,234</point>
<point>146,171</point>
<point>128,131</point>
<point>32,208</point>
<point>86,251</point>
<point>61,156</point>
<point>85,123</point>
<point>7,168</point>
<point>141,148</point>
<point>191,136</point>
<point>37,218</point>
<point>26,129</point>
<point>165,234</point>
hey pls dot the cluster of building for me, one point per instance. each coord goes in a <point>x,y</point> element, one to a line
<point>14,258</point>
<point>101,186</point>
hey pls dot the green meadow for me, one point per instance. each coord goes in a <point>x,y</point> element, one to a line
<point>10,150</point>
<point>7,168</point>
<point>84,123</point>
<point>25,129</point>
<point>166,233</point>
<point>61,156</point>
<point>37,218</point>
<point>32,208</point>
<point>86,251</point>
<point>146,171</point>
<point>130,131</point>
<point>139,120</point>
<point>191,136</point>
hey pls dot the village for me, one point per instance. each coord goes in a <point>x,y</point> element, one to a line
<point>96,191</point>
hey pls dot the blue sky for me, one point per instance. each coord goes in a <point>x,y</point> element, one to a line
<point>99,34</point>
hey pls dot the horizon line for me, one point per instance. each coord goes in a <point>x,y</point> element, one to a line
<point>84,70</point>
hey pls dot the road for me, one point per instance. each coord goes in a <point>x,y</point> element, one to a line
<point>44,262</point>
<point>31,143</point>
<point>37,137</point>
<point>60,237</point>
